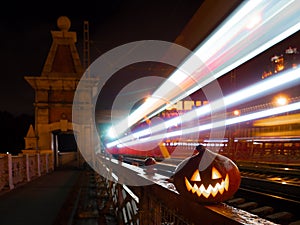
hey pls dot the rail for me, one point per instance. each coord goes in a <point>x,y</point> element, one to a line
<point>23,168</point>
<point>159,202</point>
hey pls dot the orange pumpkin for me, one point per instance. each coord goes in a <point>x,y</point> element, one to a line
<point>207,177</point>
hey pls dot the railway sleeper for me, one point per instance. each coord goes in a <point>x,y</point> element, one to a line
<point>235,201</point>
<point>263,211</point>
<point>247,205</point>
<point>280,217</point>
<point>267,212</point>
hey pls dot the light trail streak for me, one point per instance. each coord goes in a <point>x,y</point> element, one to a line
<point>232,44</point>
<point>264,87</point>
<point>231,121</point>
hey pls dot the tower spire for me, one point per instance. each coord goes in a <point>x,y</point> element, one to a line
<point>63,58</point>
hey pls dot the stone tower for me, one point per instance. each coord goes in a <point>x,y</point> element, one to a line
<point>55,87</point>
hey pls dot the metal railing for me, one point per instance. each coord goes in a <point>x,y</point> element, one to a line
<point>23,168</point>
<point>159,203</point>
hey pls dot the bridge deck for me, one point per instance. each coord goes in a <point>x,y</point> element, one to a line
<point>39,201</point>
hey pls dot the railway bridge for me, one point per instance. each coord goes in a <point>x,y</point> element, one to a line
<point>53,182</point>
<point>128,191</point>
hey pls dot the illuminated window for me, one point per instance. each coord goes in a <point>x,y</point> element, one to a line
<point>188,105</point>
<point>198,103</point>
<point>179,105</point>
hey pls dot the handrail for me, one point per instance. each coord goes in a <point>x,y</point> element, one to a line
<point>23,168</point>
<point>159,202</point>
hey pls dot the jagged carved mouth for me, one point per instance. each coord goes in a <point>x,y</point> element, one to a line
<point>210,190</point>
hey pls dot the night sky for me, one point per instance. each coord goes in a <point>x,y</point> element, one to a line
<point>26,38</point>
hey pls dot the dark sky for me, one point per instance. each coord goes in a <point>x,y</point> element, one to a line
<point>26,38</point>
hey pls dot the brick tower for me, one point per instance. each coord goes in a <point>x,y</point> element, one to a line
<point>55,87</point>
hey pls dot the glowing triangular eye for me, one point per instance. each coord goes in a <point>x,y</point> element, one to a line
<point>215,174</point>
<point>196,176</point>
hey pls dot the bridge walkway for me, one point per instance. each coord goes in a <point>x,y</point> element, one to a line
<point>46,200</point>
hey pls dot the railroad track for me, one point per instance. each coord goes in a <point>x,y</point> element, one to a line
<point>270,207</point>
<point>272,197</point>
<point>285,187</point>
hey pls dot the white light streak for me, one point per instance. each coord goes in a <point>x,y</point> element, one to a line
<point>265,113</point>
<point>264,87</point>
<point>231,121</point>
<point>224,50</point>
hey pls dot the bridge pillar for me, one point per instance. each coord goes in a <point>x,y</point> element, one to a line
<point>54,91</point>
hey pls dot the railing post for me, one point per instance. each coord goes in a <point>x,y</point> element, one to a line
<point>47,162</point>
<point>27,168</point>
<point>144,208</point>
<point>39,164</point>
<point>10,172</point>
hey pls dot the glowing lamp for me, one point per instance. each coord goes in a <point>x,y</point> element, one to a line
<point>236,112</point>
<point>281,100</point>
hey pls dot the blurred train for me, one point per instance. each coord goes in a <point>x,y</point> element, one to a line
<point>158,150</point>
<point>274,139</point>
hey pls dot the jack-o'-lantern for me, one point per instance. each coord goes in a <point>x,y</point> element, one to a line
<point>207,177</point>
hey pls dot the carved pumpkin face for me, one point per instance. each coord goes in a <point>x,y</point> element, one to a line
<point>217,186</point>
<point>217,182</point>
